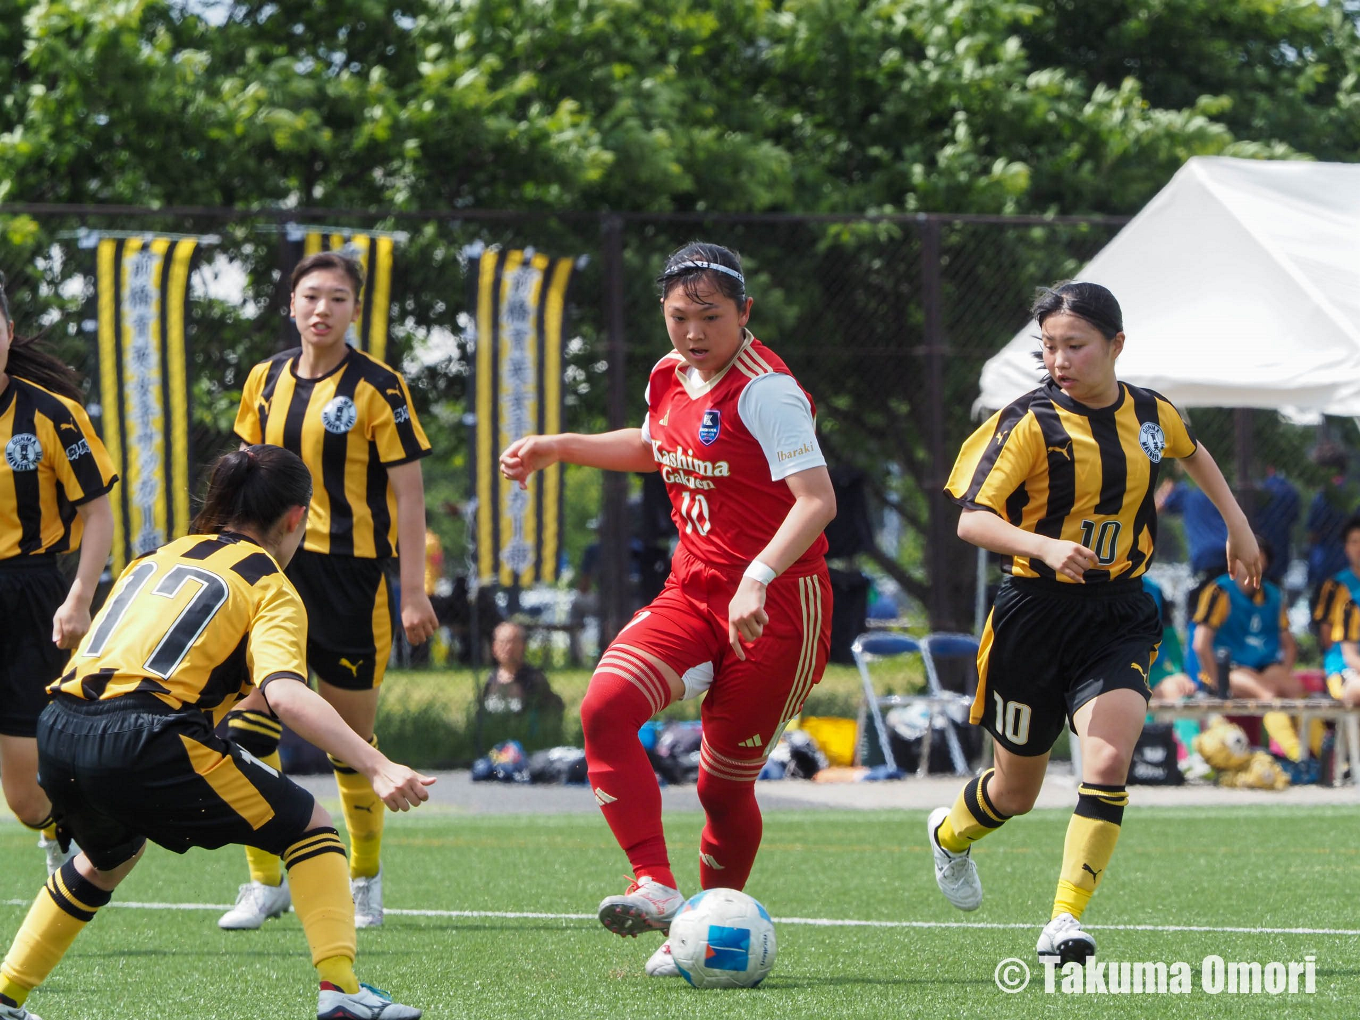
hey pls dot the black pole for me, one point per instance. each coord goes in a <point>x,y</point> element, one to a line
<point>941,615</point>
<point>614,529</point>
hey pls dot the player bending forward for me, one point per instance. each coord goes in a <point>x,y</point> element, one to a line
<point>126,748</point>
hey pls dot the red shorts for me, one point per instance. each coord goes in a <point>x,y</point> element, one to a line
<point>750,701</point>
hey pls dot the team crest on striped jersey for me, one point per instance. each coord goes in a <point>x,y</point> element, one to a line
<point>23,452</point>
<point>339,415</point>
<point>1153,441</point>
<point>710,426</point>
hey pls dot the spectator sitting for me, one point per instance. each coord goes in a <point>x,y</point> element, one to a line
<point>1347,579</point>
<point>422,653</point>
<point>1277,511</point>
<point>1333,504</point>
<point>1342,662</point>
<point>587,601</point>
<point>517,695</point>
<point>1167,676</point>
<point>1205,533</point>
<point>1253,629</point>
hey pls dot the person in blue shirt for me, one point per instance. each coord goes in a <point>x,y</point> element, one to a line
<point>1207,537</point>
<point>1205,532</point>
<point>1253,628</point>
<point>1342,662</point>
<point>1166,676</point>
<point>1277,512</point>
<point>1335,502</point>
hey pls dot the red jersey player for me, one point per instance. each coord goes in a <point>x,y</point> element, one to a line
<point>746,612</point>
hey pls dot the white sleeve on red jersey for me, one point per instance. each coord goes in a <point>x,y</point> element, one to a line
<point>775,410</point>
<point>646,418</point>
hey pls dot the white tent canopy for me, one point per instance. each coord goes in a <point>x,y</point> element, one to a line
<point>1240,286</point>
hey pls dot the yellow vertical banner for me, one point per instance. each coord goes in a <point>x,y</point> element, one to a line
<point>520,299</point>
<point>374,251</point>
<point>142,291</point>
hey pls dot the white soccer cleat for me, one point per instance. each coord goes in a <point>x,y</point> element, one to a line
<point>368,1003</point>
<point>1063,940</point>
<point>16,1013</point>
<point>255,904</point>
<point>646,906</point>
<point>661,963</point>
<point>368,901</point>
<point>55,857</point>
<point>955,874</point>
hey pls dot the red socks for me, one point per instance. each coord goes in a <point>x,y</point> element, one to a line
<point>732,834</point>
<point>624,693</point>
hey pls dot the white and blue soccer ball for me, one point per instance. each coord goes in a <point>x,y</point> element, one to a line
<point>723,938</point>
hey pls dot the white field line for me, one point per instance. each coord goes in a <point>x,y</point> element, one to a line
<point>819,922</point>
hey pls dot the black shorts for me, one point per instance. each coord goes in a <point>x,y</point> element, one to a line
<point>32,589</point>
<point>351,616</point>
<point>1049,647</point>
<point>130,768</point>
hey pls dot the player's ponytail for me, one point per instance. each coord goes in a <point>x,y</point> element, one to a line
<point>253,488</point>
<point>1089,301</point>
<point>28,361</point>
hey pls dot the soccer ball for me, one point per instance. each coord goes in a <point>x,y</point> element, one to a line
<point>722,938</point>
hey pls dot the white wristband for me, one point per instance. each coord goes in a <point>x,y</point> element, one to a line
<point>758,571</point>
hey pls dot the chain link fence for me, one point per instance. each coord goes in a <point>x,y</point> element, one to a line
<point>887,321</point>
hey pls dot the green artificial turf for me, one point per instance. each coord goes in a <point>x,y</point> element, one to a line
<point>1250,868</point>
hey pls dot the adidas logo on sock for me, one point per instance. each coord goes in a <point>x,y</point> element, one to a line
<point>602,798</point>
<point>711,861</point>
<point>751,741</point>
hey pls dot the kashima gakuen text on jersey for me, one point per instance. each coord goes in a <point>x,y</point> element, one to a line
<point>683,468</point>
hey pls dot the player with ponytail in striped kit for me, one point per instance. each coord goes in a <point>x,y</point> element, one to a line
<point>127,752</point>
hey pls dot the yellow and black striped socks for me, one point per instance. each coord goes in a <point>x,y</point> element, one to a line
<point>66,904</point>
<point>1091,838</point>
<point>259,734</point>
<point>321,898</point>
<point>972,816</point>
<point>364,811</point>
<point>47,828</point>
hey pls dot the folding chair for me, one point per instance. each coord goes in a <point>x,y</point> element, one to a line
<point>881,644</point>
<point>943,646</point>
<point>886,644</point>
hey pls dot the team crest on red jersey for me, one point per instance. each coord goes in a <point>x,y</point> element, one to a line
<point>710,426</point>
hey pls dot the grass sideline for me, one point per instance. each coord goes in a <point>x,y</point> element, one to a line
<point>1219,868</point>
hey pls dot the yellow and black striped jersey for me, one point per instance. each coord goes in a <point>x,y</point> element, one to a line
<point>53,462</point>
<point>349,427</point>
<point>1344,619</point>
<point>1324,600</point>
<point>1057,468</point>
<point>1215,603</point>
<point>194,623</point>
<point>1342,626</point>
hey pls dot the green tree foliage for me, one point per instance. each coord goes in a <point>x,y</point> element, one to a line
<point>565,109</point>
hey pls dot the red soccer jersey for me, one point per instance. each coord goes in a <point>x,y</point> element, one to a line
<point>724,500</point>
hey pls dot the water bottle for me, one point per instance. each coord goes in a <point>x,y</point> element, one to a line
<point>1223,657</point>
